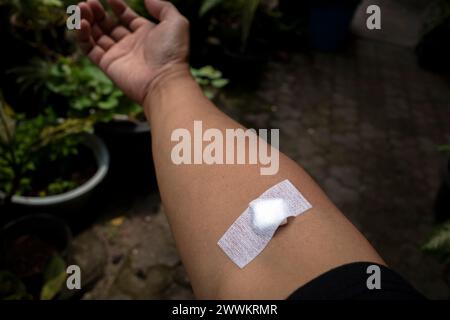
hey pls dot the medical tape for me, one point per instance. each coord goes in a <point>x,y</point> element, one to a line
<point>254,228</point>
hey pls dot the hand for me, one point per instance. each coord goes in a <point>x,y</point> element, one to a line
<point>133,51</point>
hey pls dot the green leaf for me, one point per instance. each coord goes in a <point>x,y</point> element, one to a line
<point>109,104</point>
<point>439,242</point>
<point>209,72</point>
<point>7,123</point>
<point>202,81</point>
<point>248,14</point>
<point>209,94</point>
<point>208,5</point>
<point>54,278</point>
<point>52,3</point>
<point>444,148</point>
<point>194,72</point>
<point>219,83</point>
<point>68,127</point>
<point>12,288</point>
<point>81,103</point>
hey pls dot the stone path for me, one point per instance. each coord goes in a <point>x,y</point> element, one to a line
<point>132,256</point>
<point>365,124</point>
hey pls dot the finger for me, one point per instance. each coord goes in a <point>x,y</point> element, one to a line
<point>162,10</point>
<point>101,18</point>
<point>119,32</point>
<point>84,36</point>
<point>96,55</point>
<point>87,44</point>
<point>105,42</point>
<point>96,32</point>
<point>86,12</point>
<point>139,22</point>
<point>127,16</point>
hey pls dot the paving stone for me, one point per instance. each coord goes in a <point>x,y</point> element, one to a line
<point>144,263</point>
<point>89,253</point>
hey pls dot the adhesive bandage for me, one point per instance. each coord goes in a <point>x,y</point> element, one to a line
<point>254,228</point>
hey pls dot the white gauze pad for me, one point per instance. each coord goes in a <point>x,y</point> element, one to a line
<point>251,232</point>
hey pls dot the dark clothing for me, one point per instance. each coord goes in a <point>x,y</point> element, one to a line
<point>350,282</point>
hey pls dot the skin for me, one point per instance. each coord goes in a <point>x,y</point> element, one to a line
<point>149,62</point>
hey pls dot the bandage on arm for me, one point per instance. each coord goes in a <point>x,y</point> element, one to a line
<point>203,201</point>
<point>252,231</point>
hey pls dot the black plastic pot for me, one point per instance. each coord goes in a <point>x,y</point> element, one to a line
<point>329,23</point>
<point>243,67</point>
<point>129,144</point>
<point>27,244</point>
<point>442,202</point>
<point>47,227</point>
<point>125,128</point>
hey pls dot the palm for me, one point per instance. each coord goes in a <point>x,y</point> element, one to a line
<point>134,60</point>
<point>135,51</point>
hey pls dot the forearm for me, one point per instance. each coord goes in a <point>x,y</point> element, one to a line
<point>147,61</point>
<point>202,201</point>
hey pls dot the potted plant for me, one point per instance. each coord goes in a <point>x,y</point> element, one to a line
<point>78,87</point>
<point>238,35</point>
<point>58,72</point>
<point>80,90</point>
<point>48,162</point>
<point>33,254</point>
<point>36,16</point>
<point>329,23</point>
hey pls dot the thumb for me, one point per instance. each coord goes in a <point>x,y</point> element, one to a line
<point>162,10</point>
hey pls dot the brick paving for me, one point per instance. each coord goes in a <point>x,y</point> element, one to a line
<point>365,124</point>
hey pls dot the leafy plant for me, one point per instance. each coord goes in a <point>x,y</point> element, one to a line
<point>246,9</point>
<point>439,243</point>
<point>27,144</point>
<point>208,5</point>
<point>88,91</point>
<point>210,80</point>
<point>37,14</point>
<point>31,78</point>
<point>12,288</point>
<point>83,84</point>
<point>53,279</point>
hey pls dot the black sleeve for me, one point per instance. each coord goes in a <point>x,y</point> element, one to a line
<point>350,282</point>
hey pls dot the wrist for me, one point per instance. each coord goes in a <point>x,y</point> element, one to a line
<point>164,79</point>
